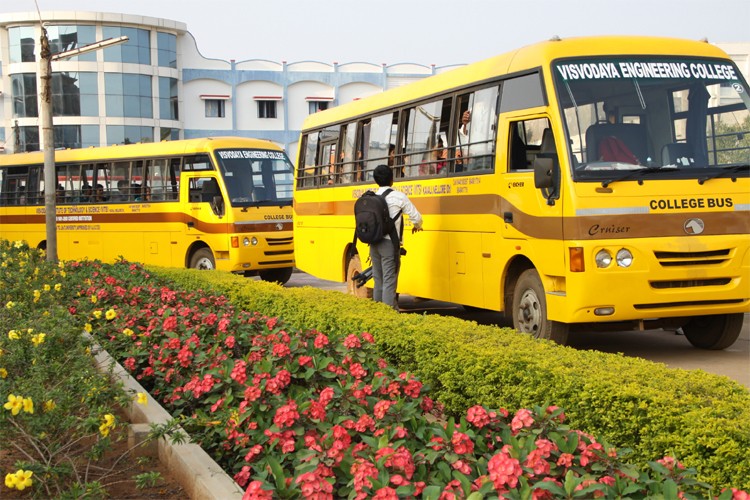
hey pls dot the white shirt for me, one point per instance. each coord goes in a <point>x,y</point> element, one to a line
<point>396,201</point>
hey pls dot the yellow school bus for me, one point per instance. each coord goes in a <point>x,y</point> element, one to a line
<point>212,203</point>
<point>590,182</point>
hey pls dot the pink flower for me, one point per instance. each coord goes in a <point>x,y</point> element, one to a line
<point>320,341</point>
<point>462,444</point>
<point>385,493</point>
<point>357,371</point>
<point>252,393</point>
<point>504,470</point>
<point>313,486</point>
<point>169,324</point>
<point>286,415</point>
<point>305,361</point>
<point>254,452</point>
<point>326,395</point>
<point>477,416</point>
<point>523,418</point>
<point>462,467</point>
<point>363,471</point>
<point>242,476</point>
<point>536,462</point>
<point>367,337</point>
<point>255,491</point>
<point>229,341</point>
<point>239,372</point>
<point>566,460</point>
<point>280,350</point>
<point>381,408</point>
<point>352,342</point>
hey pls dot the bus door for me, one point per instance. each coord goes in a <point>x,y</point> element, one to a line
<point>530,213</point>
<point>206,214</point>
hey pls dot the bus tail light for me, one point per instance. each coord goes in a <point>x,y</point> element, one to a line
<point>576,260</point>
<point>235,241</point>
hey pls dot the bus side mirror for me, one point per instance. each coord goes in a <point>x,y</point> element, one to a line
<point>543,172</point>
<point>217,205</point>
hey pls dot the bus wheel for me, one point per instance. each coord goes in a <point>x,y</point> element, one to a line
<point>279,275</point>
<point>354,267</point>
<point>530,310</point>
<point>203,260</point>
<point>714,332</point>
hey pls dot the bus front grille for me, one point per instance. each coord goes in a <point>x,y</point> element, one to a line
<point>673,259</point>
<point>279,241</point>
<point>689,283</point>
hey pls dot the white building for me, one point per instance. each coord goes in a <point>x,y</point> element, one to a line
<point>158,86</point>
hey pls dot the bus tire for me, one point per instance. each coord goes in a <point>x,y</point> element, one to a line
<point>279,275</point>
<point>203,259</point>
<point>530,310</point>
<point>714,332</point>
<point>353,267</point>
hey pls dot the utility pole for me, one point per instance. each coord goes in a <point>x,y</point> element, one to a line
<point>48,133</point>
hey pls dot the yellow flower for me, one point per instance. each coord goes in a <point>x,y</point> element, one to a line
<point>10,480</point>
<point>13,335</point>
<point>141,399</point>
<point>62,273</point>
<point>38,339</point>
<point>28,405</point>
<point>18,244</point>
<point>3,373</point>
<point>128,332</point>
<point>10,304</point>
<point>111,314</point>
<point>97,314</point>
<point>58,287</point>
<point>61,265</point>
<point>47,288</point>
<point>109,423</point>
<point>22,479</point>
<point>37,295</point>
<point>14,404</point>
<point>49,405</point>
<point>88,327</point>
<point>93,299</point>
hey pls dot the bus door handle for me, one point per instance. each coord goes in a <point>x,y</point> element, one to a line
<point>191,224</point>
<point>508,217</point>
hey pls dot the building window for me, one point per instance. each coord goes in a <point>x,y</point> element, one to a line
<point>21,41</point>
<point>76,136</point>
<point>27,138</point>
<point>215,108</point>
<point>166,45</point>
<point>75,94</point>
<point>168,98</point>
<point>24,95</point>
<point>169,134</point>
<point>128,95</point>
<point>64,38</point>
<point>128,134</point>
<point>266,109</point>
<point>315,106</point>
<point>136,50</point>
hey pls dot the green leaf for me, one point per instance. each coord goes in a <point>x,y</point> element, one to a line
<point>278,473</point>
<point>431,493</point>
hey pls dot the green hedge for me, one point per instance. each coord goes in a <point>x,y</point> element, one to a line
<point>702,419</point>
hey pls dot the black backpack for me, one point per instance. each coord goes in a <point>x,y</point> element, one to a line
<point>372,219</point>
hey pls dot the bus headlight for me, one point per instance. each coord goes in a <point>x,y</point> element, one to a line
<point>253,241</point>
<point>246,241</point>
<point>624,257</point>
<point>603,259</point>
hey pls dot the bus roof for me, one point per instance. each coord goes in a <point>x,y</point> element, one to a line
<point>140,150</point>
<point>522,59</point>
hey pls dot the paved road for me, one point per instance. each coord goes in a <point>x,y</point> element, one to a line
<point>661,346</point>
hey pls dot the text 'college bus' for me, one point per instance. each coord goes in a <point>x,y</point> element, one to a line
<point>214,203</point>
<point>590,181</point>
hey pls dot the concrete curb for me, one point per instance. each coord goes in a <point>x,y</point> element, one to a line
<point>198,474</point>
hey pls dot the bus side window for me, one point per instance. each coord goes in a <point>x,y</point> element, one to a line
<point>306,169</point>
<point>525,142</point>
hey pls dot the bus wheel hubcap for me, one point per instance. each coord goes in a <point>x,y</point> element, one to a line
<point>529,313</point>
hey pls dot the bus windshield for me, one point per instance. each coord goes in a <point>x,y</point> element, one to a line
<point>256,177</point>
<point>668,117</point>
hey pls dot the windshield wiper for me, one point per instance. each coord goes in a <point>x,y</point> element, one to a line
<point>638,172</point>
<point>723,172</point>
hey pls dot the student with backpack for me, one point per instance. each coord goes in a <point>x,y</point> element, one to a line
<point>381,226</point>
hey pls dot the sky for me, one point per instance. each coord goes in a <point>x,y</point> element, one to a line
<point>440,32</point>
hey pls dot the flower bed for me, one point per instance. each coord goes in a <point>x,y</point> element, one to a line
<point>59,430</point>
<point>298,413</point>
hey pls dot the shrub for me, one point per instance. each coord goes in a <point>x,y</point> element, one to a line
<point>704,419</point>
